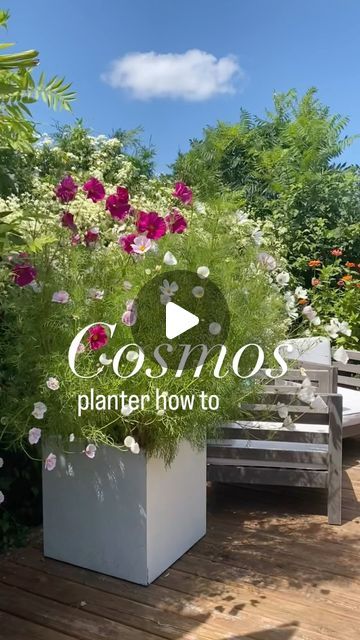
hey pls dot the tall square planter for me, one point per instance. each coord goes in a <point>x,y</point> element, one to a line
<point>121,514</point>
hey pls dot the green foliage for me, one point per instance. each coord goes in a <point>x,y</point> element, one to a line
<point>282,169</point>
<point>38,332</point>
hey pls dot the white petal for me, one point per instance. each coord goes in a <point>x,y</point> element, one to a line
<point>104,360</point>
<point>214,328</point>
<point>169,259</point>
<point>203,272</point>
<point>135,448</point>
<point>129,441</point>
<point>198,292</point>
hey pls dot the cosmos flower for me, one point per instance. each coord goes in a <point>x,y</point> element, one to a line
<point>97,337</point>
<point>23,274</point>
<point>67,220</point>
<point>39,410</point>
<point>183,192</point>
<point>34,435</point>
<point>94,189</point>
<point>62,297</point>
<point>141,245</point>
<point>91,236</point>
<point>169,259</point>
<point>53,384</point>
<point>126,242</point>
<point>50,462</point>
<point>66,189</point>
<point>152,224</point>
<point>176,222</point>
<point>90,451</point>
<point>118,203</point>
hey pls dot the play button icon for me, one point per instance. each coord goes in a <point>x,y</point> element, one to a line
<point>180,310</point>
<point>178,320</point>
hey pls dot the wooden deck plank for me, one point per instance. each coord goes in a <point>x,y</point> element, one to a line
<point>269,568</point>
<point>13,628</point>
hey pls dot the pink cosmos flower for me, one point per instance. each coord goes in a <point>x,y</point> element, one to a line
<point>176,222</point>
<point>67,220</point>
<point>91,236</point>
<point>117,208</point>
<point>98,337</point>
<point>129,316</point>
<point>183,193</point>
<point>126,242</point>
<point>62,297</point>
<point>66,189</point>
<point>90,451</point>
<point>95,189</point>
<point>50,462</point>
<point>23,274</point>
<point>34,435</point>
<point>152,224</point>
<point>141,245</point>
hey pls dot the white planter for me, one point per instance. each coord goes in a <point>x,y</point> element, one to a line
<point>122,514</point>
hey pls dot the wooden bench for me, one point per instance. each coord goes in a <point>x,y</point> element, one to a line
<point>348,384</point>
<point>260,450</point>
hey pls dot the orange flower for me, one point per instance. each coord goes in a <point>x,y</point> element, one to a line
<point>315,282</point>
<point>314,263</point>
<point>347,278</point>
<point>350,265</point>
<point>336,252</point>
<point>302,301</point>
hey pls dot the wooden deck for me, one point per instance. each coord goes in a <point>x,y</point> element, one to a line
<point>269,568</point>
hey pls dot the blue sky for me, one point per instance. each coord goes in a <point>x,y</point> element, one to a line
<point>258,46</point>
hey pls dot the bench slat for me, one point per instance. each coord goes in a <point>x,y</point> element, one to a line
<point>266,476</point>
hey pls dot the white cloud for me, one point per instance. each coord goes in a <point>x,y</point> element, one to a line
<point>194,75</point>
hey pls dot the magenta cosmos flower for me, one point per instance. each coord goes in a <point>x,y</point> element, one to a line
<point>66,189</point>
<point>118,203</point>
<point>23,274</point>
<point>94,189</point>
<point>183,192</point>
<point>91,236</point>
<point>176,222</point>
<point>152,224</point>
<point>97,337</point>
<point>67,220</point>
<point>126,242</point>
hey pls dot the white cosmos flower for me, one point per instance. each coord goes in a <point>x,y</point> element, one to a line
<point>2,497</point>
<point>131,356</point>
<point>71,437</point>
<point>126,410</point>
<point>318,403</point>
<point>198,292</point>
<point>62,297</point>
<point>301,293</point>
<point>282,410</point>
<point>283,278</point>
<point>50,462</point>
<point>141,245</point>
<point>257,236</point>
<point>203,272</point>
<point>306,393</point>
<point>267,261</point>
<point>95,294</point>
<point>90,451</point>
<point>340,355</point>
<point>169,289</point>
<point>127,285</point>
<point>214,328</point>
<point>311,315</point>
<point>169,259</point>
<point>105,360</point>
<point>53,384</point>
<point>344,328</point>
<point>39,410</point>
<point>34,435</point>
<point>332,329</point>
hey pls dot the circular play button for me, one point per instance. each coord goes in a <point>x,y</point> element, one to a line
<point>181,316</point>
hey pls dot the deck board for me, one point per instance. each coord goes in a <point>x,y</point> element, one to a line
<point>269,568</point>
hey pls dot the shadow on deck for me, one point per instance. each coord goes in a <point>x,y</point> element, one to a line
<point>269,568</point>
